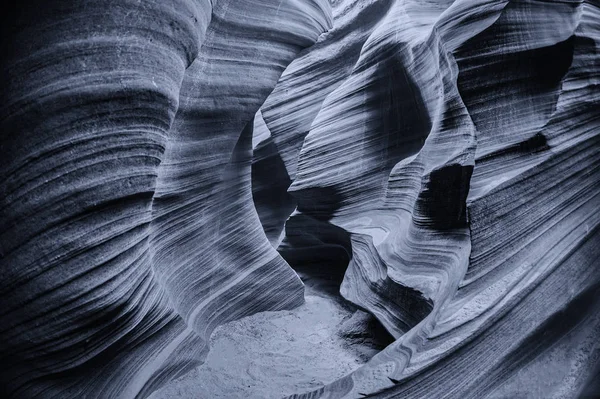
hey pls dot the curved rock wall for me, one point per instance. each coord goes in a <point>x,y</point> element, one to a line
<point>127,229</point>
<point>436,159</point>
<point>460,157</point>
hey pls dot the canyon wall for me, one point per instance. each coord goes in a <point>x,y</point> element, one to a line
<point>127,227</point>
<point>169,166</point>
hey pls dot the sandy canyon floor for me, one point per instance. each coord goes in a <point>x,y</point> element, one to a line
<point>275,354</point>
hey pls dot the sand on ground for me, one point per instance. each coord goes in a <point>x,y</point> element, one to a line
<point>275,354</point>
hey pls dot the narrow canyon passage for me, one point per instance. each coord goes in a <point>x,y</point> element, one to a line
<point>276,354</point>
<point>300,199</point>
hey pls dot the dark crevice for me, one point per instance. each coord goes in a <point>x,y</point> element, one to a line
<point>365,334</point>
<point>534,144</point>
<point>270,182</point>
<point>320,253</point>
<point>442,202</point>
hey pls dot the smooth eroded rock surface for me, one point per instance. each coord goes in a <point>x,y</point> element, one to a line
<point>127,227</point>
<point>427,168</point>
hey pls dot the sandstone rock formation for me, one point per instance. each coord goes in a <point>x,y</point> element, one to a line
<point>170,166</point>
<point>128,231</point>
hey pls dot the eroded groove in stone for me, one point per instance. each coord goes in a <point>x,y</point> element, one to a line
<point>126,203</point>
<point>492,226</point>
<point>163,163</point>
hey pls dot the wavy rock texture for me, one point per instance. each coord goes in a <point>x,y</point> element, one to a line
<point>436,160</point>
<point>127,229</point>
<point>459,155</point>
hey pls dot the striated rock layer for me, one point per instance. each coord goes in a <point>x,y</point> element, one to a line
<point>127,228</point>
<point>163,163</point>
<point>455,162</point>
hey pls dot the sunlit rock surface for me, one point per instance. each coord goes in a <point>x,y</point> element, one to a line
<point>164,163</point>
